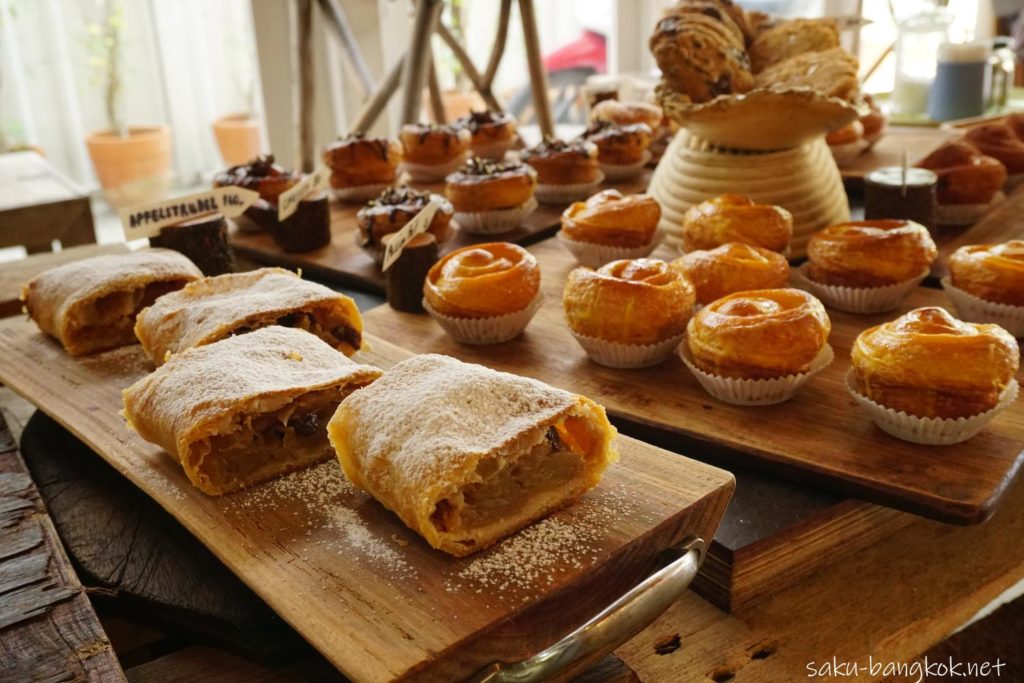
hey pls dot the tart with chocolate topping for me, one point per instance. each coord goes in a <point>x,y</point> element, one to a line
<point>393,209</point>
<point>493,133</point>
<point>567,171</point>
<point>432,151</point>
<point>361,167</point>
<point>491,196</point>
<point>261,175</point>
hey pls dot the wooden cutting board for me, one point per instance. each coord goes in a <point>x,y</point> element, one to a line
<point>345,262</point>
<point>360,587</point>
<point>820,436</point>
<point>917,141</point>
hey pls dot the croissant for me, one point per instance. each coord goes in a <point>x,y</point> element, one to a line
<point>483,185</point>
<point>994,272</point>
<point>762,334</point>
<point>357,160</point>
<point>613,219</point>
<point>734,218</point>
<point>929,364</point>
<point>870,253</point>
<point>966,176</point>
<point>563,163</point>
<point>998,140</point>
<point>433,144</point>
<point>261,175</point>
<point>483,280</point>
<point>639,301</point>
<point>732,267</point>
<point>619,144</point>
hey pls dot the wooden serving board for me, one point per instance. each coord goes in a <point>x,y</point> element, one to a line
<point>348,575</point>
<point>918,142</point>
<point>346,263</point>
<point>820,436</point>
<point>1003,222</point>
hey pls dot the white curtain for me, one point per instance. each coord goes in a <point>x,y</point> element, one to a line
<point>183,63</point>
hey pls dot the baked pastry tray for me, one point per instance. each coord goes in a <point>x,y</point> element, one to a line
<point>821,436</point>
<point>344,262</point>
<point>348,575</point>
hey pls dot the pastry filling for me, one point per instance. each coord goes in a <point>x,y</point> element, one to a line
<point>506,488</point>
<point>111,318</point>
<point>339,335</point>
<point>257,446</point>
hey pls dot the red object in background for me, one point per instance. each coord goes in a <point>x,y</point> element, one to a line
<point>589,50</point>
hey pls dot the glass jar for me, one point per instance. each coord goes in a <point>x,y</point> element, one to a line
<point>917,48</point>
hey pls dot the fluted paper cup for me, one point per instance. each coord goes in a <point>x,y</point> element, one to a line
<point>616,172</point>
<point>495,222</point>
<point>859,299</point>
<point>565,194</point>
<point>492,330</point>
<point>627,356</point>
<point>433,173</point>
<point>358,193</point>
<point>929,431</point>
<point>755,392</point>
<point>954,215</point>
<point>977,310</point>
<point>596,255</point>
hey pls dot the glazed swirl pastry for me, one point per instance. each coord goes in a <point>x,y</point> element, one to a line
<point>558,162</point>
<point>433,144</point>
<point>619,145</point>
<point>762,334</point>
<point>734,218</point>
<point>394,208</point>
<point>493,133</point>
<point>640,301</point>
<point>966,176</point>
<point>483,185</point>
<point>261,175</point>
<point>870,253</point>
<point>929,364</point>
<point>613,219</point>
<point>993,272</point>
<point>358,160</point>
<point>482,281</point>
<point>998,141</point>
<point>732,267</point>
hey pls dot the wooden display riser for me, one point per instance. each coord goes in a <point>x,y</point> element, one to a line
<point>345,263</point>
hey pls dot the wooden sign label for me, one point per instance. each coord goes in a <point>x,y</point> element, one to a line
<point>146,220</point>
<point>290,198</point>
<point>419,223</point>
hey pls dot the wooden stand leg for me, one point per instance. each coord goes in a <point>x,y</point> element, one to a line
<point>307,152</point>
<point>538,76</point>
<point>417,61</point>
<point>436,102</point>
<point>367,116</point>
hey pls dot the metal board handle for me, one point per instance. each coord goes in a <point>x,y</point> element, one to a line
<point>614,625</point>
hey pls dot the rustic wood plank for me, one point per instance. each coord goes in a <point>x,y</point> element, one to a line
<point>417,613</point>
<point>820,436</point>
<point>891,601</point>
<point>202,663</point>
<point>13,274</point>
<point>345,262</point>
<point>48,630</point>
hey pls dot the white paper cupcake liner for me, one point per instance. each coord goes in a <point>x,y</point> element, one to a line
<point>755,392</point>
<point>956,215</point>
<point>568,193</point>
<point>495,222</point>
<point>358,193</point>
<point>495,151</point>
<point>433,173</point>
<point>977,310</point>
<point>858,299</point>
<point>493,330</point>
<point>846,153</point>
<point>616,172</point>
<point>596,255</point>
<point>930,431</point>
<point>627,356</point>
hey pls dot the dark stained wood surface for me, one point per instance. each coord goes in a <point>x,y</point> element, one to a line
<point>820,436</point>
<point>48,629</point>
<point>346,263</point>
<point>375,622</point>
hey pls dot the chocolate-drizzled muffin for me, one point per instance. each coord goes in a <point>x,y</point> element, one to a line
<point>432,151</point>
<point>493,133</point>
<point>394,208</point>
<point>561,162</point>
<point>360,166</point>
<point>619,145</point>
<point>261,175</point>
<point>491,197</point>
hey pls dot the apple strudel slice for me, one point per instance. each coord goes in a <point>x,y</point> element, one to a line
<point>245,409</point>
<point>226,305</point>
<point>91,305</point>
<point>466,455</point>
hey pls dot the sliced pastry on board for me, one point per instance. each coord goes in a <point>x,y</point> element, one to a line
<point>466,455</point>
<point>218,307</point>
<point>91,305</point>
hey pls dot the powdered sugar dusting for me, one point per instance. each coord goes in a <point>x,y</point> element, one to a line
<point>379,552</point>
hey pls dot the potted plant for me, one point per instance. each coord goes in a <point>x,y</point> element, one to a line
<point>133,164</point>
<point>238,134</point>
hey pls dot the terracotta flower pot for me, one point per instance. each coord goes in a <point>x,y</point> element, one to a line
<point>238,137</point>
<point>132,169</point>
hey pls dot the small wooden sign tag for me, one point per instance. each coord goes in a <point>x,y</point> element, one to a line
<point>147,220</point>
<point>290,198</point>
<point>419,223</point>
